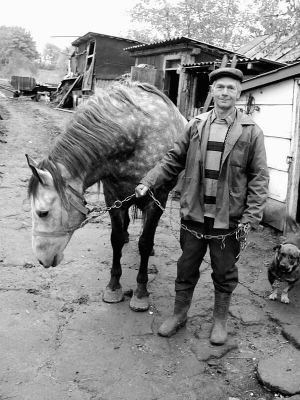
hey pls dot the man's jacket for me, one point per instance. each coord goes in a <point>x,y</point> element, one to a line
<point>243,181</point>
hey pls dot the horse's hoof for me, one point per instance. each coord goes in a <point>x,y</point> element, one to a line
<point>113,296</point>
<point>137,304</point>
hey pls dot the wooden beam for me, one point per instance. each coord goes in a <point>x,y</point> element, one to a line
<point>209,96</point>
<point>68,92</point>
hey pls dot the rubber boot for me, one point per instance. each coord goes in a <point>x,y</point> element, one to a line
<point>219,329</point>
<point>178,319</point>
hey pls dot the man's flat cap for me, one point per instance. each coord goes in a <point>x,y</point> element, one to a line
<point>229,72</point>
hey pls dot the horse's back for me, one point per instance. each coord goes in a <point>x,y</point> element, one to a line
<point>157,119</point>
<point>128,128</point>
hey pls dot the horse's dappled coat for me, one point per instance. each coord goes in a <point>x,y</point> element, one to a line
<point>115,138</point>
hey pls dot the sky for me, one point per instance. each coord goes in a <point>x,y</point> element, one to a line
<point>44,20</point>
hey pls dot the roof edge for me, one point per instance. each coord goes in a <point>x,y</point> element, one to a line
<point>147,46</point>
<point>89,35</point>
<point>271,77</point>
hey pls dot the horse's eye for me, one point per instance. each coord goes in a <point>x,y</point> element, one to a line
<point>42,214</point>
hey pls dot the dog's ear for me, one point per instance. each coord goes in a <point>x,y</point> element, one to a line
<point>277,247</point>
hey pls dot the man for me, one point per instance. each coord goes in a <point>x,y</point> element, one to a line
<point>225,187</point>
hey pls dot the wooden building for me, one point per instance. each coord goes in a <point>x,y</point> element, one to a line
<point>273,101</point>
<point>164,61</point>
<point>180,68</point>
<point>195,78</point>
<point>98,60</point>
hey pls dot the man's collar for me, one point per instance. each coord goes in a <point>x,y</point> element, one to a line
<point>229,119</point>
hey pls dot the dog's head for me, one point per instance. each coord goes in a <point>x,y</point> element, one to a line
<point>287,256</point>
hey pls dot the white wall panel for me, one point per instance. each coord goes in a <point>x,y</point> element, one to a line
<point>278,93</point>
<point>278,150</point>
<point>278,185</point>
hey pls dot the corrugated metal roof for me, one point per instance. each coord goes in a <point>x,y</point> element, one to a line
<point>178,40</point>
<point>250,45</point>
<point>91,35</point>
<point>280,74</point>
<point>264,47</point>
<point>239,60</point>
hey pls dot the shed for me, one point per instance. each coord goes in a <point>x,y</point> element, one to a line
<point>180,68</point>
<point>273,101</point>
<point>165,59</point>
<point>98,60</point>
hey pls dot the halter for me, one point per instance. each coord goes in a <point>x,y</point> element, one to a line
<point>68,230</point>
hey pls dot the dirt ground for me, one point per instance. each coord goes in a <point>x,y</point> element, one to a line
<point>59,340</point>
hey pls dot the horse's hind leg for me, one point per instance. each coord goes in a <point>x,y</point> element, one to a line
<point>140,298</point>
<point>113,292</point>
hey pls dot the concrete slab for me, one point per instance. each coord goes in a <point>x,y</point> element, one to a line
<point>247,313</point>
<point>292,333</point>
<point>205,351</point>
<point>281,373</point>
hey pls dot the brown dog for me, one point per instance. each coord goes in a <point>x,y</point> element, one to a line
<point>285,265</point>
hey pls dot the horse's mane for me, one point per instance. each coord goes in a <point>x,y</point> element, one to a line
<point>88,138</point>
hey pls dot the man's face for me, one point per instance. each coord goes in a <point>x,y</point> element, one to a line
<point>225,92</point>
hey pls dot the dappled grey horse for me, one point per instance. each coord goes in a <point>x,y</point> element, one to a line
<point>114,138</point>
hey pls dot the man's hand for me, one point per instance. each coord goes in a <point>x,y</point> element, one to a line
<point>246,227</point>
<point>243,230</point>
<point>141,190</point>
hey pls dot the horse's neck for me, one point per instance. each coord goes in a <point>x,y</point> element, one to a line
<point>76,183</point>
<point>90,177</point>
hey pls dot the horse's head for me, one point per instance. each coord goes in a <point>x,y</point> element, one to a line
<point>58,209</point>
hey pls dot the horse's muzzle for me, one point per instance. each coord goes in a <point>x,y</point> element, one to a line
<point>54,263</point>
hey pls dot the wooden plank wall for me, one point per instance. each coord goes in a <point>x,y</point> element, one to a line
<point>152,76</point>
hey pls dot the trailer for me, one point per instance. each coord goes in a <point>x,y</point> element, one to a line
<point>27,86</point>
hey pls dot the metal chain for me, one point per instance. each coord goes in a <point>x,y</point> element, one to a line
<point>102,210</point>
<point>241,232</point>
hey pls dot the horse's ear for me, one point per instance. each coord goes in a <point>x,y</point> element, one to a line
<point>31,161</point>
<point>42,176</point>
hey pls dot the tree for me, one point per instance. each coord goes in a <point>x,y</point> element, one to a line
<point>282,19</point>
<point>14,39</point>
<point>50,55</point>
<point>154,20</point>
<point>19,65</point>
<point>63,59</point>
<point>228,24</point>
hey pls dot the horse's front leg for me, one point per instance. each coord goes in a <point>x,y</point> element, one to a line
<point>140,298</point>
<point>113,292</point>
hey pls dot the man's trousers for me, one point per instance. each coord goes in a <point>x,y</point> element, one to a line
<point>223,257</point>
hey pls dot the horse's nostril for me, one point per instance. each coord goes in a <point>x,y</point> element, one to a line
<point>45,266</point>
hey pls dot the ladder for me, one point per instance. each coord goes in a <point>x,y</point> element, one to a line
<point>223,64</point>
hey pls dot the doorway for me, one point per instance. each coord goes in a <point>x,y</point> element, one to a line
<point>171,85</point>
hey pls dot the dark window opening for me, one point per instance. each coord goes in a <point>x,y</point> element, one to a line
<point>202,90</point>
<point>88,63</point>
<point>91,48</point>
